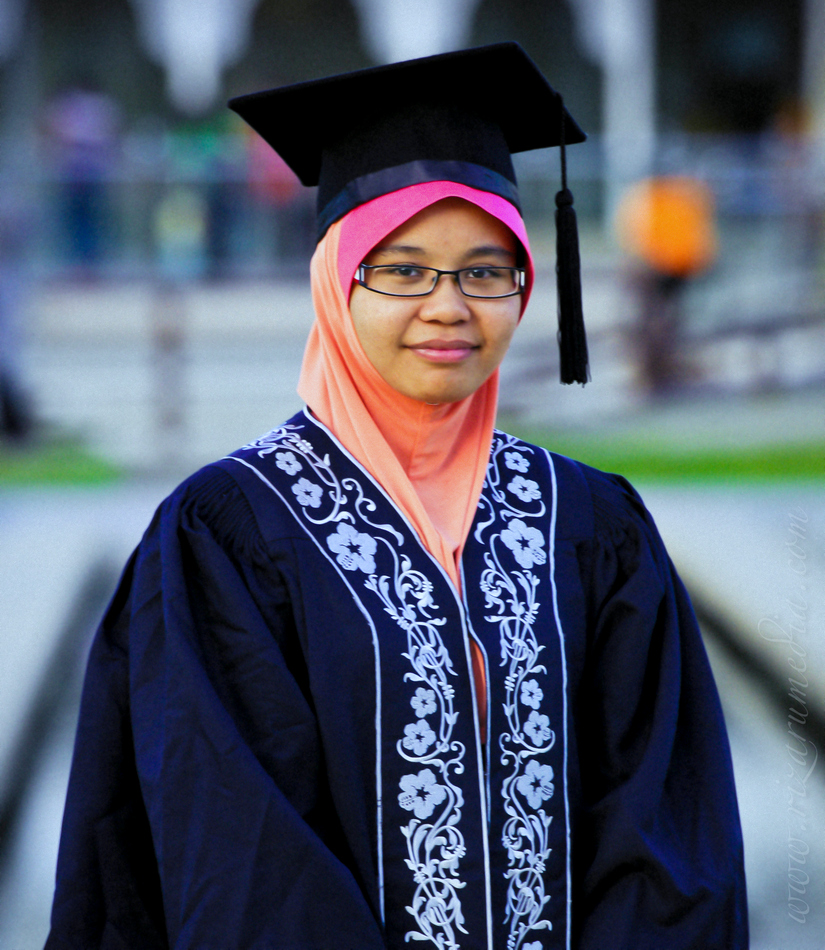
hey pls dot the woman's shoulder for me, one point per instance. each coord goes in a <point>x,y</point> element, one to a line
<point>226,497</point>
<point>591,502</point>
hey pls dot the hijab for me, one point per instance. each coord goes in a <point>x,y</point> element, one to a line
<point>411,448</point>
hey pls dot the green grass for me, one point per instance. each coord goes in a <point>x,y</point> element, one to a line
<point>59,462</point>
<point>66,462</point>
<point>651,461</point>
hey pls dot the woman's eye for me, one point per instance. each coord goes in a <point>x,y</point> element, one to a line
<point>403,271</point>
<point>484,273</point>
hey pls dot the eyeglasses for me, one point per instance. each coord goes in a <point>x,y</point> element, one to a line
<point>410,280</point>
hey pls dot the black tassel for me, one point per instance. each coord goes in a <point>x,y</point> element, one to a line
<point>571,336</point>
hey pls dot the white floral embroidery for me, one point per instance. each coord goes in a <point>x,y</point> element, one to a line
<point>516,462</point>
<point>308,493</point>
<point>537,783</point>
<point>507,453</point>
<point>353,550</point>
<point>418,737</point>
<point>421,793</point>
<point>538,728</point>
<point>287,462</point>
<point>423,702</point>
<point>511,595</point>
<point>269,441</point>
<point>451,854</point>
<point>525,488</point>
<point>526,543</point>
<point>531,693</point>
<point>434,846</point>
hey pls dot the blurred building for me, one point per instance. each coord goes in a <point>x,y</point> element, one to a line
<point>733,96</point>
<point>693,65</point>
<point>657,84</point>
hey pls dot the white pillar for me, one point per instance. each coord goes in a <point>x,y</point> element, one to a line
<point>395,30</point>
<point>620,36</point>
<point>194,40</point>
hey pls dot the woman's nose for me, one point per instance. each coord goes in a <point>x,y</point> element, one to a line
<point>446,303</point>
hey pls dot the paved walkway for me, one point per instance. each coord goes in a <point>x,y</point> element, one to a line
<point>757,556</point>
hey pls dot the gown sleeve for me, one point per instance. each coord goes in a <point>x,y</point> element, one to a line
<point>659,849</point>
<point>197,813</point>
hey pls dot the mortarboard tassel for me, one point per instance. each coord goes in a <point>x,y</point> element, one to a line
<point>571,336</point>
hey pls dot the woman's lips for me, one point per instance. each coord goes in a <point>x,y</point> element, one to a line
<point>444,351</point>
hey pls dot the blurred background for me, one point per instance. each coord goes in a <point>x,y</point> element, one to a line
<point>154,302</point>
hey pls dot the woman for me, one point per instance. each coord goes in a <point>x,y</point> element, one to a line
<point>387,674</point>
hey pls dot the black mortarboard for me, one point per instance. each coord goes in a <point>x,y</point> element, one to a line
<point>456,117</point>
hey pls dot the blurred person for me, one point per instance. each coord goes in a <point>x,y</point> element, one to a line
<point>215,145</point>
<point>16,414</point>
<point>387,674</point>
<point>83,129</point>
<point>667,225</point>
<point>180,231</point>
<point>221,200</point>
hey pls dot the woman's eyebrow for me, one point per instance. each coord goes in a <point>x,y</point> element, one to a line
<point>398,249</point>
<point>484,249</point>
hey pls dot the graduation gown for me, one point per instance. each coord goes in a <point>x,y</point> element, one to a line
<point>279,743</point>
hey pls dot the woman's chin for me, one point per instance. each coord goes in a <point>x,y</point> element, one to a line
<point>438,391</point>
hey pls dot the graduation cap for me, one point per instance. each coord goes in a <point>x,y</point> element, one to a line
<point>455,117</point>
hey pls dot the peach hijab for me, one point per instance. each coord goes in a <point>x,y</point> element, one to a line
<point>430,459</point>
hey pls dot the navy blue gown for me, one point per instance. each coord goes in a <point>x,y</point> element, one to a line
<point>280,747</point>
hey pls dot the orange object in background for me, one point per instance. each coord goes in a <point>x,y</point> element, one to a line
<point>668,223</point>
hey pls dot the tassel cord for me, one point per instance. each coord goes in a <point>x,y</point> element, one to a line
<point>572,340</point>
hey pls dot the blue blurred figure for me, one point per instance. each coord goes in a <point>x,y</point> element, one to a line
<point>83,126</point>
<point>16,420</point>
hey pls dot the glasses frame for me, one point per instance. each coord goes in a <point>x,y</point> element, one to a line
<point>360,275</point>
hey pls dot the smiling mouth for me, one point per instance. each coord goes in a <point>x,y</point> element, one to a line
<point>444,351</point>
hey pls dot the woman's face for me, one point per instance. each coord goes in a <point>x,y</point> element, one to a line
<point>442,347</point>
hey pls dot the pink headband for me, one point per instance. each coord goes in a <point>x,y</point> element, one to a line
<point>367,224</point>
